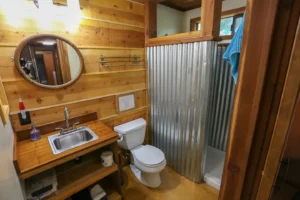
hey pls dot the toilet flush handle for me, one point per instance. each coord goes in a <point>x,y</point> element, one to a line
<point>120,137</point>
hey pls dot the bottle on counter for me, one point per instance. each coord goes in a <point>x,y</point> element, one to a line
<point>35,133</point>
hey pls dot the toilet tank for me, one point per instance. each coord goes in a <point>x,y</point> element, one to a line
<point>133,133</point>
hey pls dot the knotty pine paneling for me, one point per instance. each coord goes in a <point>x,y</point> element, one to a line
<point>109,28</point>
<point>90,33</point>
<point>92,64</point>
<point>128,116</point>
<point>91,61</point>
<point>114,10</point>
<point>88,86</point>
<point>105,108</point>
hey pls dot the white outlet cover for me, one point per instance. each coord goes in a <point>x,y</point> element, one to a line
<point>126,102</point>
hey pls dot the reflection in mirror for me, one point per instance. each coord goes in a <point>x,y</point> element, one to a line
<point>50,61</point>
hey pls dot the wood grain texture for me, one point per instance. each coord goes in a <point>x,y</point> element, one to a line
<point>173,187</point>
<point>91,58</point>
<point>96,33</point>
<point>81,177</point>
<point>92,64</point>
<point>85,87</point>
<point>150,20</point>
<point>108,27</point>
<point>48,128</point>
<point>104,107</point>
<point>4,108</point>
<point>252,69</point>
<point>283,38</point>
<point>233,12</point>
<point>137,1</point>
<point>292,145</point>
<point>35,157</point>
<point>118,11</point>
<point>180,38</point>
<point>283,120</point>
<point>210,17</point>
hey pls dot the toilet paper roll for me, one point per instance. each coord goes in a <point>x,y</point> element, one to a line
<point>107,158</point>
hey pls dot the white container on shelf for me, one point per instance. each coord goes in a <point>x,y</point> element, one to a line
<point>107,158</point>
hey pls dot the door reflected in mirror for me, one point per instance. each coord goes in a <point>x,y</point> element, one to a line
<point>50,61</point>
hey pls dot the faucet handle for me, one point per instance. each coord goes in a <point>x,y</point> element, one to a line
<point>74,125</point>
<point>62,131</point>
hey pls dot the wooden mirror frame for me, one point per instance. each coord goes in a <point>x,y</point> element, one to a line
<point>20,47</point>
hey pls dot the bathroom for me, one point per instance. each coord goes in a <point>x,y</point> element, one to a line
<point>158,112</point>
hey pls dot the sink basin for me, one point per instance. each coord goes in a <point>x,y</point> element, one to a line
<point>71,139</point>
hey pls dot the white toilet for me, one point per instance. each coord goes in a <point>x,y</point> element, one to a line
<point>146,161</point>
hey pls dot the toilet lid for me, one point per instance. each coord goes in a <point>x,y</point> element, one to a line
<point>149,155</point>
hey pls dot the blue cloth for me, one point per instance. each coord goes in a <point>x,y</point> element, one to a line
<point>232,53</point>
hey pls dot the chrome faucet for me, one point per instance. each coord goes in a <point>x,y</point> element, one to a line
<point>62,131</point>
<point>67,118</point>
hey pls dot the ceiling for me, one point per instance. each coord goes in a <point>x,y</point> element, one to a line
<point>182,5</point>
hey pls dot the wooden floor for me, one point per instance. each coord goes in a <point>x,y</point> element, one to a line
<point>173,187</point>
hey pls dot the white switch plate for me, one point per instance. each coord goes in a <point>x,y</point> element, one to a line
<point>126,102</point>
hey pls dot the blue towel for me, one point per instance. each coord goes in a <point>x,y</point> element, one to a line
<point>232,53</point>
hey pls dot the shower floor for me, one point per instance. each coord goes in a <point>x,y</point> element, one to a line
<point>214,167</point>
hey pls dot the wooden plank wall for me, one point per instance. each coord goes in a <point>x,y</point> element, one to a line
<point>108,28</point>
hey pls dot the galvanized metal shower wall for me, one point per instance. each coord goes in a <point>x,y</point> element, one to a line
<point>221,102</point>
<point>179,82</point>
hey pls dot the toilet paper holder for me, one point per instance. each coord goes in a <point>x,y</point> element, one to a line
<point>120,137</point>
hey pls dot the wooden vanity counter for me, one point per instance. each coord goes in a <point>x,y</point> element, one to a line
<point>33,157</point>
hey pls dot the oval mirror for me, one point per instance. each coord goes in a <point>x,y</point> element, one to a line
<point>48,61</point>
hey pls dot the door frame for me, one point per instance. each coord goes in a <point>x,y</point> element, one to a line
<point>269,31</point>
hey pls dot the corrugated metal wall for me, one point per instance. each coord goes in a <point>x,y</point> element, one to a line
<point>221,102</point>
<point>179,78</point>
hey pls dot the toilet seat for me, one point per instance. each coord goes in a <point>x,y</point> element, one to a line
<point>148,158</point>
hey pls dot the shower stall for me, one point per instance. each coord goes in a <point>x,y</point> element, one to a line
<point>190,99</point>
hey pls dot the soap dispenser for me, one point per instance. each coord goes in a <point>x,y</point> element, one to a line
<point>35,133</point>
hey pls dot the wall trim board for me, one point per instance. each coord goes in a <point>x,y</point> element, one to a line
<point>179,39</point>
<point>134,1</point>
<point>8,45</point>
<point>84,74</point>
<point>77,101</point>
<point>81,47</point>
<point>124,113</point>
<point>113,72</point>
<point>111,22</point>
<point>107,47</point>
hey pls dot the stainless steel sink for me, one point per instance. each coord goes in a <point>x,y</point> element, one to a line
<point>60,143</point>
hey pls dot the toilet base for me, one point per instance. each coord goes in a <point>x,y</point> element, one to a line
<point>149,179</point>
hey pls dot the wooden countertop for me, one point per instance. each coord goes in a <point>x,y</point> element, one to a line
<point>33,157</point>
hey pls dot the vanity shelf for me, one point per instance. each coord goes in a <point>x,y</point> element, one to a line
<point>81,177</point>
<point>31,158</point>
